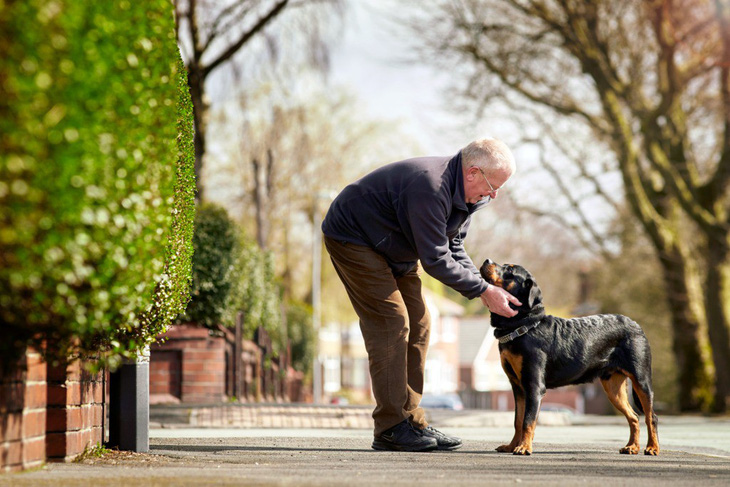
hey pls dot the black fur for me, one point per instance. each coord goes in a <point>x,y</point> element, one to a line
<point>559,351</point>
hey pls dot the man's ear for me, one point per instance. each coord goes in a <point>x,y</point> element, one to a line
<point>535,295</point>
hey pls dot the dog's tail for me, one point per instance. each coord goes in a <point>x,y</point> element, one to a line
<point>637,401</point>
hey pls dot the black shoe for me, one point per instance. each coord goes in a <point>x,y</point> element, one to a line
<point>404,437</point>
<point>444,442</point>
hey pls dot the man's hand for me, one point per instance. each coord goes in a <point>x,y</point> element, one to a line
<point>497,300</point>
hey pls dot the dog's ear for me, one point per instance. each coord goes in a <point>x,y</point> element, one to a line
<point>535,294</point>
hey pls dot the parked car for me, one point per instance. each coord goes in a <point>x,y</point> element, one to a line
<point>442,401</point>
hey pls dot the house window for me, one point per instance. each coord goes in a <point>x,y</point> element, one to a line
<point>332,374</point>
<point>448,330</point>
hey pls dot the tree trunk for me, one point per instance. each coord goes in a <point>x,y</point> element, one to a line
<point>693,376</point>
<point>259,198</point>
<point>200,110</point>
<point>717,286</point>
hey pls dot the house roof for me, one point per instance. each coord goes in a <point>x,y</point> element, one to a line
<point>472,332</point>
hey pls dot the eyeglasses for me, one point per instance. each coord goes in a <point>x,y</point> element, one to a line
<point>492,191</point>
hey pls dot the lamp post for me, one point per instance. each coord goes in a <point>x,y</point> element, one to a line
<point>317,383</point>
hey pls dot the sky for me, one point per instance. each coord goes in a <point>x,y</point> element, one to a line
<point>371,60</point>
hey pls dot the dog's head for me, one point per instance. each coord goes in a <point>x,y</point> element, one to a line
<point>514,279</point>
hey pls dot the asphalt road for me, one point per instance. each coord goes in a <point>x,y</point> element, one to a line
<point>695,451</point>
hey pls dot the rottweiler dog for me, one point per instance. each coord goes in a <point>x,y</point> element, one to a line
<point>540,352</point>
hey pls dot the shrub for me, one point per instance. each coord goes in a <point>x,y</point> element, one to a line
<point>231,274</point>
<point>214,243</point>
<point>96,181</point>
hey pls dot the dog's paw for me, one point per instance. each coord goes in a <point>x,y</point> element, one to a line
<point>505,448</point>
<point>522,450</point>
<point>629,450</point>
<point>651,450</point>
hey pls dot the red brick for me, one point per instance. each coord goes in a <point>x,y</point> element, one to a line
<point>207,366</point>
<point>186,332</point>
<point>34,423</point>
<point>12,452</point>
<point>12,397</point>
<point>87,416</point>
<point>36,371</point>
<point>64,419</point>
<point>11,426</point>
<point>61,445</point>
<point>86,392</point>
<point>55,420</point>
<point>202,377</point>
<point>57,373</point>
<point>63,394</point>
<point>202,355</point>
<point>96,413</point>
<point>98,392</point>
<point>35,395</point>
<point>74,419</point>
<point>34,451</point>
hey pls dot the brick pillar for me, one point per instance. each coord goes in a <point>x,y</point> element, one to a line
<point>75,410</point>
<point>23,414</point>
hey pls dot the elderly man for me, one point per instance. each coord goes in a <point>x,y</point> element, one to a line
<point>376,232</point>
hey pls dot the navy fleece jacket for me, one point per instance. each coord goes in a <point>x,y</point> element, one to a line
<point>411,210</point>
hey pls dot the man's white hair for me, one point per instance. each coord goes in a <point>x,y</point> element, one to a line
<point>489,154</point>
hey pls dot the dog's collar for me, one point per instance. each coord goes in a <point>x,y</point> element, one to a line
<point>518,332</point>
<point>535,318</point>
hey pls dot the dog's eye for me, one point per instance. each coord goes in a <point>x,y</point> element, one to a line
<point>507,275</point>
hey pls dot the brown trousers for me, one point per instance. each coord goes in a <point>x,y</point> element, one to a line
<point>395,325</point>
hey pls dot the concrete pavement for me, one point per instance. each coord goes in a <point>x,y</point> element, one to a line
<point>583,451</point>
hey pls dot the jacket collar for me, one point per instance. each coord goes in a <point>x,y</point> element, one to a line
<point>455,164</point>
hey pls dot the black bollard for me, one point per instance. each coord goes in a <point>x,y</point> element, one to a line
<point>129,405</point>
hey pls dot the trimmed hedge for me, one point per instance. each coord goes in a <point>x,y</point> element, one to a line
<point>96,176</point>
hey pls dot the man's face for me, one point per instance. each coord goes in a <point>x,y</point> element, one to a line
<point>480,183</point>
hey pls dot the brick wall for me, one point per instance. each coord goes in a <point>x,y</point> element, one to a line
<point>23,414</point>
<point>197,365</point>
<point>201,370</point>
<point>48,413</point>
<point>75,410</point>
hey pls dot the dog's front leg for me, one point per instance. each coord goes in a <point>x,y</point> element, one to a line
<point>534,387</point>
<point>519,417</point>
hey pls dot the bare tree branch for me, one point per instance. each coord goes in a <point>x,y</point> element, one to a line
<point>262,22</point>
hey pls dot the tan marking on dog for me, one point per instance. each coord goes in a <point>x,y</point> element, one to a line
<point>515,361</point>
<point>528,434</point>
<point>492,277</point>
<point>615,387</point>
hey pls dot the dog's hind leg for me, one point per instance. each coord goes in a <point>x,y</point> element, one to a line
<point>645,395</point>
<point>615,387</point>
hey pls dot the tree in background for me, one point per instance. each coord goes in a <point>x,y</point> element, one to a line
<point>283,150</point>
<point>256,291</point>
<point>648,303</point>
<point>96,177</point>
<point>647,83</point>
<point>212,34</point>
